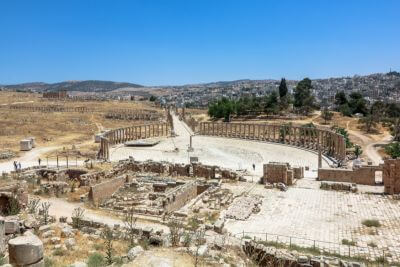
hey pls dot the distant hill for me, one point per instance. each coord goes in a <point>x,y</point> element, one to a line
<point>81,86</point>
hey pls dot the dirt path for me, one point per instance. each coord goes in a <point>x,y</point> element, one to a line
<point>369,145</point>
<point>29,159</point>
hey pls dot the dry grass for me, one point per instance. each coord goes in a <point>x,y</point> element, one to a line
<point>60,129</point>
<point>84,248</point>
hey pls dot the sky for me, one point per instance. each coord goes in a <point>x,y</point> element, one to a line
<point>171,42</point>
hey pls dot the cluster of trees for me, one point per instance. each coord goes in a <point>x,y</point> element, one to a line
<point>393,150</point>
<point>273,103</point>
<point>353,104</point>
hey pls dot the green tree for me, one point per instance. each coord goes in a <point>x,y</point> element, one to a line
<point>283,88</point>
<point>326,115</point>
<point>303,98</point>
<point>358,104</point>
<point>340,99</point>
<point>283,95</point>
<point>345,134</point>
<point>271,103</point>
<point>345,110</point>
<point>393,149</point>
<point>357,150</point>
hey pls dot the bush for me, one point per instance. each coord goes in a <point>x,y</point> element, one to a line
<point>371,223</point>
<point>372,245</point>
<point>96,260</point>
<point>2,259</point>
<point>393,149</point>
<point>59,252</point>
<point>49,262</point>
<point>348,242</point>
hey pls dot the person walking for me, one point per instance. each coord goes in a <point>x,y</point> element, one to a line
<point>254,167</point>
<point>19,166</point>
<point>15,166</point>
<point>39,160</point>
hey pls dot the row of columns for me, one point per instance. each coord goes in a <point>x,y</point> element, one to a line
<point>122,135</point>
<point>50,108</point>
<point>329,142</point>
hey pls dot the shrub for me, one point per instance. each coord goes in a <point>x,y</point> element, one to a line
<point>59,252</point>
<point>371,223</point>
<point>348,242</point>
<point>49,262</point>
<point>2,259</point>
<point>393,149</point>
<point>96,260</point>
<point>372,245</point>
<point>98,246</point>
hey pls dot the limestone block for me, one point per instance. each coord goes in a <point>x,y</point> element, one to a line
<point>25,250</point>
<point>134,252</point>
<point>70,242</point>
<point>11,226</point>
<point>78,264</point>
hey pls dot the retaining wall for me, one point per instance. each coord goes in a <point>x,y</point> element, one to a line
<point>104,190</point>
<point>363,175</point>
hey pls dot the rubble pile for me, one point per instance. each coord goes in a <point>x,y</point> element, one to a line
<point>270,256</point>
<point>339,186</point>
<point>243,207</point>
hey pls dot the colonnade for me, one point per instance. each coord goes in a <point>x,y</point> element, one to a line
<point>122,135</point>
<point>49,108</point>
<point>330,143</point>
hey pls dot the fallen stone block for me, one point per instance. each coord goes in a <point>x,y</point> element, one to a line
<point>11,227</point>
<point>134,252</point>
<point>25,250</point>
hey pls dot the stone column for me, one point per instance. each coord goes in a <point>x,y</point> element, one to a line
<point>319,157</point>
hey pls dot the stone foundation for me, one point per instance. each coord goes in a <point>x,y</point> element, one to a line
<point>364,175</point>
<point>276,172</point>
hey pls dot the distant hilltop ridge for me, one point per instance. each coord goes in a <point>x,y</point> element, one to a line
<point>388,80</point>
<point>81,86</point>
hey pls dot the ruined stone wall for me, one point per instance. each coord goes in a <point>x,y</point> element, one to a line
<point>194,169</point>
<point>391,176</point>
<point>104,190</point>
<point>330,143</point>
<point>177,198</point>
<point>298,172</point>
<point>179,170</point>
<point>276,173</point>
<point>363,175</point>
<point>207,172</point>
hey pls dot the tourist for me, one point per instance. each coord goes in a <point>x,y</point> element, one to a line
<point>254,167</point>
<point>15,165</point>
<point>39,160</point>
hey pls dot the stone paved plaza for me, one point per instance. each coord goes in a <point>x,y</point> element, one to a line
<point>224,152</point>
<point>309,213</point>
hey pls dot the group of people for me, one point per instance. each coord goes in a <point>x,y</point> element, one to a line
<point>17,166</point>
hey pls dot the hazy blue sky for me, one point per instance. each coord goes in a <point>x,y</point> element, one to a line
<point>178,42</point>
